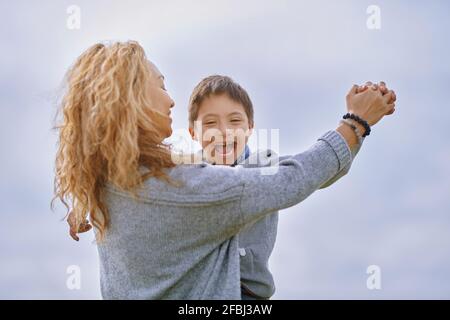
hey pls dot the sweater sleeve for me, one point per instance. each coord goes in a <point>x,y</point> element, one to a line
<point>345,170</point>
<point>354,151</point>
<point>294,179</point>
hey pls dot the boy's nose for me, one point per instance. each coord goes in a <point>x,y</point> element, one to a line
<point>227,133</point>
<point>223,130</point>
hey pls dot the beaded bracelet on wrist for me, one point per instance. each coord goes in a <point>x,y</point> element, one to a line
<point>355,129</point>
<point>359,120</point>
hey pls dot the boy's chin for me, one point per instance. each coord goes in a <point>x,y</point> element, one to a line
<point>229,159</point>
<point>228,162</point>
<point>225,161</point>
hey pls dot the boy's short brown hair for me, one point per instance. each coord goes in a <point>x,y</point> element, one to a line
<point>216,85</point>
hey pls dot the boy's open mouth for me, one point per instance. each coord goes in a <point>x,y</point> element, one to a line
<point>225,150</point>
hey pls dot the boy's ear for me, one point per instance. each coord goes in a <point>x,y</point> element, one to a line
<point>250,127</point>
<point>192,133</point>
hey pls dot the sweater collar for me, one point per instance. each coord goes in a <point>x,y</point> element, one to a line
<point>244,155</point>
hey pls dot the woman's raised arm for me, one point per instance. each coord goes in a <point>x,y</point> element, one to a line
<point>300,175</point>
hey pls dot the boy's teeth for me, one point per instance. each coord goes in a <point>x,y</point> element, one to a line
<point>224,149</point>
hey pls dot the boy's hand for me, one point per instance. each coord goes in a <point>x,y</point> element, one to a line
<point>369,102</point>
<point>383,89</point>
<point>84,227</point>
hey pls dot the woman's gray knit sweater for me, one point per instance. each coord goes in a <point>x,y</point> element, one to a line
<point>181,242</point>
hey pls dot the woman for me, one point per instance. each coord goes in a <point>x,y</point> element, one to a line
<point>168,231</point>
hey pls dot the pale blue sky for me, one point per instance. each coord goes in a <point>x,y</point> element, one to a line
<point>297,59</point>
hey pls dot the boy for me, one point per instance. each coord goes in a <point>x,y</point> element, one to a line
<point>221,120</point>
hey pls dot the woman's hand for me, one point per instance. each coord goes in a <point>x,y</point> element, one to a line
<point>377,102</point>
<point>73,230</point>
<point>370,102</point>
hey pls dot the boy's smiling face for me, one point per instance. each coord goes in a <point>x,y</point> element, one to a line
<point>222,128</point>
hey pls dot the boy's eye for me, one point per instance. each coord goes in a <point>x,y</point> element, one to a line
<point>209,122</point>
<point>236,120</point>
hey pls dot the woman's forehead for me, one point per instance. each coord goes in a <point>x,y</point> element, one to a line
<point>155,70</point>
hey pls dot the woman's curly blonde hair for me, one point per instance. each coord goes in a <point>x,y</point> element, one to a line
<point>107,131</point>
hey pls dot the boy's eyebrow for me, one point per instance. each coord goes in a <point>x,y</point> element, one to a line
<point>235,113</point>
<point>210,115</point>
<point>231,114</point>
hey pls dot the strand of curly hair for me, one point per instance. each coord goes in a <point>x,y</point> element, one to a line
<point>106,133</point>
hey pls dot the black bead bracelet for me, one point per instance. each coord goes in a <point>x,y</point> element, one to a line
<point>359,120</point>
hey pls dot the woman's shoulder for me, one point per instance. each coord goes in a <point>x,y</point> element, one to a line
<point>190,183</point>
<point>206,177</point>
<point>260,158</point>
